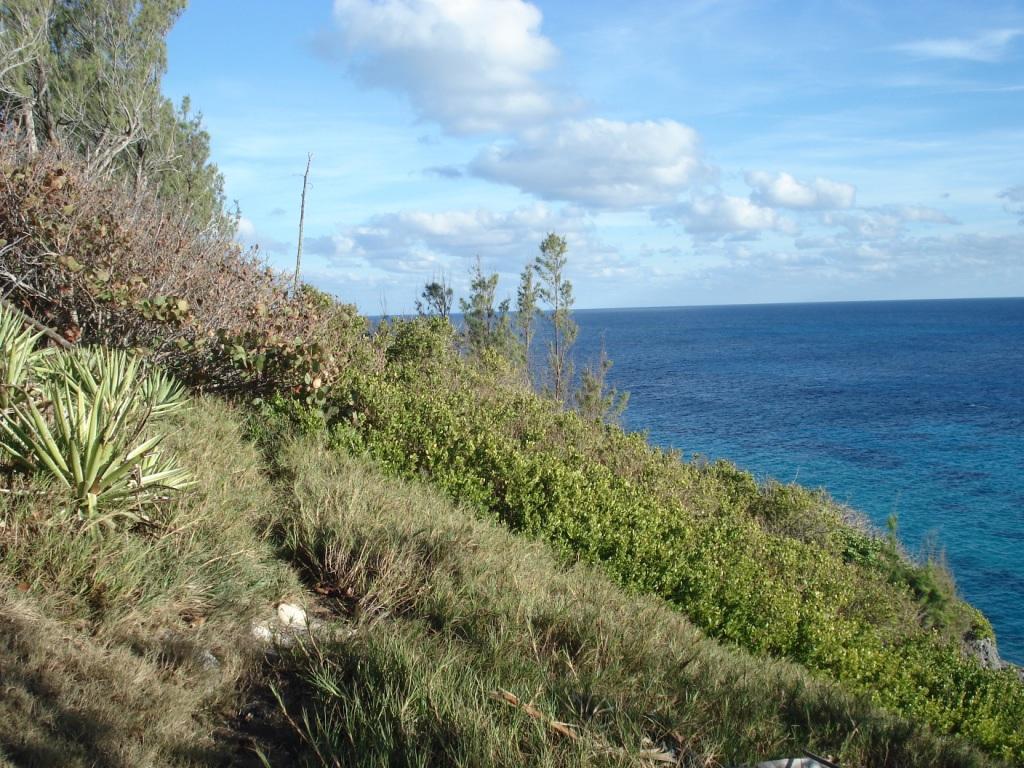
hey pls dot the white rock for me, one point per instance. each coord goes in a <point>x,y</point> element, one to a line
<point>291,615</point>
<point>208,661</point>
<point>262,632</point>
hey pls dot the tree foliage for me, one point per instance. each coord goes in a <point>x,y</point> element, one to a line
<point>436,299</point>
<point>85,75</point>
<point>526,312</point>
<point>595,400</point>
<point>555,290</point>
<point>487,325</point>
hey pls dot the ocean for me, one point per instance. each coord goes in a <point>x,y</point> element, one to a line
<point>907,407</point>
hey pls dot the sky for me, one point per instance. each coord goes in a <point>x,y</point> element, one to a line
<point>703,152</point>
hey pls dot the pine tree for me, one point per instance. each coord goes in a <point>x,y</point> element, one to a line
<point>86,75</point>
<point>487,328</point>
<point>556,291</point>
<point>595,401</point>
<point>436,299</point>
<point>526,314</point>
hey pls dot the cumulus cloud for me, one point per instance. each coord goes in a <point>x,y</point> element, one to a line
<point>883,222</point>
<point>470,65</point>
<point>598,163</point>
<point>785,191</point>
<point>720,215</point>
<point>417,241</point>
<point>985,47</point>
<point>247,236</point>
<point>1014,201</point>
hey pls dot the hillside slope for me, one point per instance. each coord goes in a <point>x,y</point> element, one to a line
<point>779,571</point>
<point>445,640</point>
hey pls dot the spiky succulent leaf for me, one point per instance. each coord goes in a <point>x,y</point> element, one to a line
<point>94,436</point>
<point>18,354</point>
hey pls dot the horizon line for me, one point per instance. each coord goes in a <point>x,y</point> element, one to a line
<point>796,303</point>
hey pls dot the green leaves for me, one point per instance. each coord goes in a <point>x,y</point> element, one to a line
<point>17,355</point>
<point>87,426</point>
<point>769,567</point>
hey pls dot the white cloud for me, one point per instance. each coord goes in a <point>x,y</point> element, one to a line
<point>912,260</point>
<point>1014,205</point>
<point>470,65</point>
<point>919,213</point>
<point>931,255</point>
<point>248,236</point>
<point>883,222</point>
<point>986,47</point>
<point>720,215</point>
<point>598,163</point>
<point>245,230</point>
<point>416,241</point>
<point>785,191</point>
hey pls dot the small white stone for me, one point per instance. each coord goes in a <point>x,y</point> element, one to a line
<point>208,661</point>
<point>262,632</point>
<point>291,615</point>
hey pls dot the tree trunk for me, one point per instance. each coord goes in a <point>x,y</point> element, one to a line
<point>28,121</point>
<point>302,221</point>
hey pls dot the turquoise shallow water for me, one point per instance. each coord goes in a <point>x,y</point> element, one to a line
<point>908,407</point>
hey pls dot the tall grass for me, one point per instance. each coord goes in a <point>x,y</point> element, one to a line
<point>463,645</point>
<point>103,638</point>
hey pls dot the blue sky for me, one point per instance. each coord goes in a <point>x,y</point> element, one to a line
<point>706,152</point>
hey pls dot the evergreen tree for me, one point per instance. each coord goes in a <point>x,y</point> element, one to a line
<point>24,60</point>
<point>486,327</point>
<point>436,299</point>
<point>526,313</point>
<point>85,74</point>
<point>556,291</point>
<point>595,401</point>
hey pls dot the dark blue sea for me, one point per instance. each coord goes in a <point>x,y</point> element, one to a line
<point>907,407</point>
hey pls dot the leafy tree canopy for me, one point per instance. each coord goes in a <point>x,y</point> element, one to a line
<point>85,75</point>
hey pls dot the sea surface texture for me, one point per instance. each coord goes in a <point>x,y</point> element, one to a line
<point>909,407</point>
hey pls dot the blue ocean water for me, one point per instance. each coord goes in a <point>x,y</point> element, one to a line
<point>912,407</point>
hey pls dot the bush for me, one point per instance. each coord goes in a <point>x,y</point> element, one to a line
<point>463,645</point>
<point>107,264</point>
<point>774,568</point>
<point>85,424</point>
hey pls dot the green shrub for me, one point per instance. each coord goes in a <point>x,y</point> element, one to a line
<point>87,428</point>
<point>774,568</point>
<point>445,616</point>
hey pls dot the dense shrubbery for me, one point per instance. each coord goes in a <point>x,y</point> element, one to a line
<point>447,613</point>
<point>103,263</point>
<point>775,569</point>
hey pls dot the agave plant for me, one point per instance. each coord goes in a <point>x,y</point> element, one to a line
<point>122,376</point>
<point>18,355</point>
<point>89,429</point>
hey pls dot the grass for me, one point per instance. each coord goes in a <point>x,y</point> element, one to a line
<point>100,637</point>
<point>780,570</point>
<point>449,641</point>
<point>446,614</point>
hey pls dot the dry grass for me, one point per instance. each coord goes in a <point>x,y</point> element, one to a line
<point>102,639</point>
<point>451,642</point>
<point>444,612</point>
